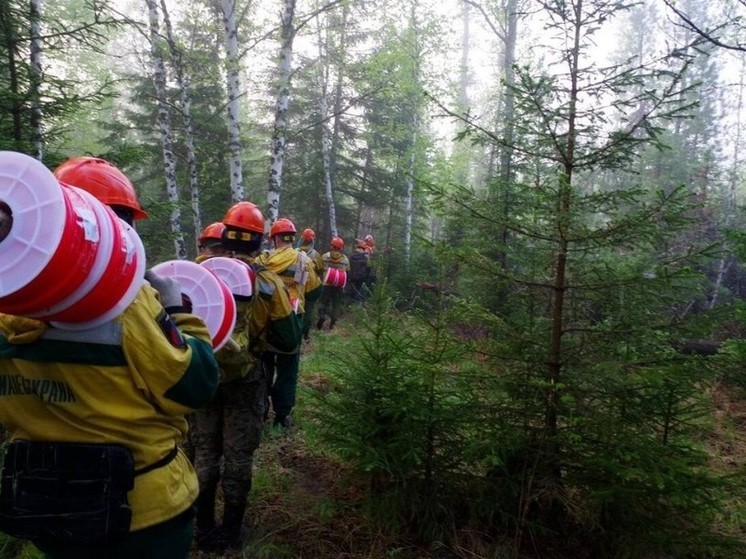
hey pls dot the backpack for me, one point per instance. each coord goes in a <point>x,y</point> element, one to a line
<point>358,267</point>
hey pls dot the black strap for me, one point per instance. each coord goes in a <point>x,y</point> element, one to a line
<point>160,463</point>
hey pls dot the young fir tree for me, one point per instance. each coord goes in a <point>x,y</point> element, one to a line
<point>592,426</point>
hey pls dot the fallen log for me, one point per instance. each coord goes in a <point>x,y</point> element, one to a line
<point>697,347</point>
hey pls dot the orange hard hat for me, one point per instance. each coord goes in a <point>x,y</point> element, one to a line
<point>308,235</point>
<point>103,180</point>
<point>245,215</point>
<point>338,243</point>
<point>213,232</point>
<point>282,226</point>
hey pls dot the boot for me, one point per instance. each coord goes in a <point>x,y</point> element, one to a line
<point>207,530</point>
<point>233,535</point>
<point>320,323</point>
<point>332,323</point>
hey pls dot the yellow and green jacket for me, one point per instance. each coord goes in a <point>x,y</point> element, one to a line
<point>129,382</point>
<point>336,260</point>
<point>315,256</point>
<point>272,322</point>
<point>296,271</point>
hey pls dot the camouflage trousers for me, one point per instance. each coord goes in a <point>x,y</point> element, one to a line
<point>230,427</point>
<point>331,302</point>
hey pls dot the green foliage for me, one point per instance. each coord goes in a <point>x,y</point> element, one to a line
<point>50,101</point>
<point>447,424</point>
<point>399,410</point>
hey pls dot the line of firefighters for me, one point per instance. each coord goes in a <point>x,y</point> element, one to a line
<point>155,422</point>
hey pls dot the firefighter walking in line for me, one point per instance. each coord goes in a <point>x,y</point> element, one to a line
<point>298,274</point>
<point>359,277</point>
<point>210,242</point>
<point>308,240</point>
<point>229,428</point>
<point>333,295</point>
<point>99,463</point>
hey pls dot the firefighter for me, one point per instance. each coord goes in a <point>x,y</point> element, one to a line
<point>298,274</point>
<point>333,295</point>
<point>308,240</point>
<point>210,242</point>
<point>228,430</point>
<point>96,416</point>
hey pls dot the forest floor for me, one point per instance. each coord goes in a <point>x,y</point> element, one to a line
<point>304,505</point>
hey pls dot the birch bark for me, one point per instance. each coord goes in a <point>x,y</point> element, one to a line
<point>228,12</point>
<point>185,104</point>
<point>36,79</point>
<point>164,125</point>
<point>277,157</point>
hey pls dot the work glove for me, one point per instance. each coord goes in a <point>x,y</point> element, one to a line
<point>168,289</point>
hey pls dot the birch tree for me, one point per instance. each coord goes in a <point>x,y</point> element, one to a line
<point>277,156</point>
<point>233,83</point>
<point>164,126</point>
<point>185,104</point>
<point>35,74</point>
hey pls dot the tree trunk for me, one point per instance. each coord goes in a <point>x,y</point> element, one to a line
<point>185,104</point>
<point>325,140</point>
<point>233,85</point>
<point>507,116</point>
<point>35,77</point>
<point>341,50</point>
<point>277,157</point>
<point>164,124</point>
<point>10,40</point>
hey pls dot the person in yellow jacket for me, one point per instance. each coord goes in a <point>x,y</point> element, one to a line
<point>210,240</point>
<point>95,416</point>
<point>297,272</point>
<point>333,295</point>
<point>307,242</point>
<point>228,430</point>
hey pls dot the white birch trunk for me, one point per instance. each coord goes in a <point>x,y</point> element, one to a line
<point>341,50</point>
<point>36,78</point>
<point>325,140</point>
<point>164,124</point>
<point>233,85</point>
<point>277,157</point>
<point>185,104</point>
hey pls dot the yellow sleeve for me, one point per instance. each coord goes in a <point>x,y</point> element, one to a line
<point>171,357</point>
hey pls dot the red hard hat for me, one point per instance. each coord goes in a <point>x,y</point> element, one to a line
<point>245,215</point>
<point>338,243</point>
<point>282,226</point>
<point>214,231</point>
<point>308,235</point>
<point>101,179</point>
